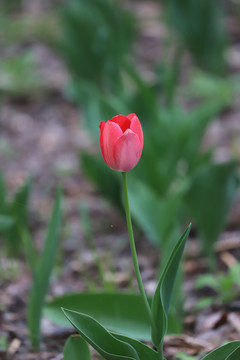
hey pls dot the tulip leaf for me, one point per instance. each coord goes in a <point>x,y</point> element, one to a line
<point>99,338</point>
<point>76,348</point>
<point>118,312</point>
<point>144,351</point>
<point>41,274</point>
<point>193,21</point>
<point>5,222</point>
<point>30,251</point>
<point>162,297</point>
<point>202,208</point>
<point>153,214</point>
<point>18,210</point>
<point>235,355</point>
<point>2,192</point>
<point>230,351</point>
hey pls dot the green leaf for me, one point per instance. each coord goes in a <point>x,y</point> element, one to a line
<point>76,348</point>
<point>19,205</point>
<point>30,251</point>
<point>99,338</point>
<point>162,296</point>
<point>5,222</point>
<point>2,193</point>
<point>153,213</point>
<point>118,312</point>
<point>225,352</point>
<point>42,274</point>
<point>18,210</point>
<point>207,280</point>
<point>209,204</point>
<point>235,355</point>
<point>144,351</point>
<point>202,85</point>
<point>183,356</point>
<point>96,57</point>
<point>193,21</point>
<point>204,303</point>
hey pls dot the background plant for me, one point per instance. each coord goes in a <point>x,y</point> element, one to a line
<point>224,284</point>
<point>13,216</point>
<point>106,80</point>
<point>41,268</point>
<point>200,29</point>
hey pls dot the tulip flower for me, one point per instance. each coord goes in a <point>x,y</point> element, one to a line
<point>121,142</point>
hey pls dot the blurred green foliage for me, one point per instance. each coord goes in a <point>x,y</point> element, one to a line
<point>218,184</point>
<point>23,29</point>
<point>199,26</point>
<point>18,75</point>
<point>224,284</point>
<point>95,41</point>
<point>13,216</point>
<point>101,46</point>
<point>9,269</point>
<point>174,178</point>
<point>3,344</point>
<point>41,267</point>
<point>7,6</point>
<point>182,356</point>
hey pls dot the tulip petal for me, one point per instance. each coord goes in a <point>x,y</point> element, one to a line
<point>110,132</point>
<point>136,126</point>
<point>123,121</point>
<point>127,151</point>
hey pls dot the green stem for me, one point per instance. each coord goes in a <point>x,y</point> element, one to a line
<point>160,352</point>
<point>133,250</point>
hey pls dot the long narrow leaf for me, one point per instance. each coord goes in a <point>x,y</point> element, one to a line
<point>18,209</point>
<point>30,252</point>
<point>42,274</point>
<point>2,193</point>
<point>162,296</point>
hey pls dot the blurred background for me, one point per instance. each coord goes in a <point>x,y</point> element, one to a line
<point>67,65</point>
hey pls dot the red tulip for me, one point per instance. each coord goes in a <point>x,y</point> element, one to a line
<point>121,142</point>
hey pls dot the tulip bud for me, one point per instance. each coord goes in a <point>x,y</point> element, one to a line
<point>121,142</point>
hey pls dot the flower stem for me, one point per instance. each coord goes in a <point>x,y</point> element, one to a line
<point>133,250</point>
<point>160,352</point>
